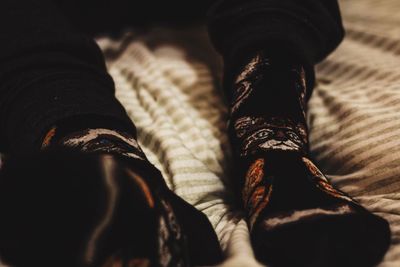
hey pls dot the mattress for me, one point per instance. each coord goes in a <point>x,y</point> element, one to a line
<point>168,80</point>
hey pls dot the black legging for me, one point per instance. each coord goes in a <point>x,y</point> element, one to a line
<point>51,69</point>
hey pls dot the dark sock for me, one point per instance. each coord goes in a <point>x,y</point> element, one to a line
<point>100,165</point>
<point>296,217</point>
<point>65,208</point>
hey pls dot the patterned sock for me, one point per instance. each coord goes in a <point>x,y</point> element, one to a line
<point>296,217</point>
<point>88,211</point>
<point>131,217</point>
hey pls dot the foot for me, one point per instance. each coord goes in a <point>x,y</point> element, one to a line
<point>296,217</point>
<point>91,198</point>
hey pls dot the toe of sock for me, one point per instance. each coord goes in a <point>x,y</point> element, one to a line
<point>359,239</point>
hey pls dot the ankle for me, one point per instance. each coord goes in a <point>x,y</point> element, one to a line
<point>268,108</point>
<point>269,84</point>
<point>93,135</point>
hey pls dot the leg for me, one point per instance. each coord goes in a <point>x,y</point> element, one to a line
<point>49,72</point>
<point>57,96</point>
<point>295,216</point>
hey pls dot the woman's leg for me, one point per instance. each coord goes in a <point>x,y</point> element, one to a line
<point>56,96</point>
<point>295,216</point>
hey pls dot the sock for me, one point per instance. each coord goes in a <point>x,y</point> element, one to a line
<point>296,217</point>
<point>65,208</point>
<point>148,225</point>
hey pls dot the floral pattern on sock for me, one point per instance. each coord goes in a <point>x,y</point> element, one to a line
<point>170,245</point>
<point>257,190</point>
<point>244,83</point>
<point>323,183</point>
<point>171,239</point>
<point>49,137</point>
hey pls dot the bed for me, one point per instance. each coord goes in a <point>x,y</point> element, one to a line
<point>168,80</point>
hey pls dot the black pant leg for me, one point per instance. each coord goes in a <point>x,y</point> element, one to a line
<point>48,72</point>
<point>113,16</point>
<point>308,30</point>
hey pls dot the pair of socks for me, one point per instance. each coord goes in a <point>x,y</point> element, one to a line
<point>296,217</point>
<point>130,217</point>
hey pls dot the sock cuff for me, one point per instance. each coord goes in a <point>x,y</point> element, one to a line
<point>278,62</point>
<point>94,134</point>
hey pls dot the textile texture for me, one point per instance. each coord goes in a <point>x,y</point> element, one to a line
<point>168,82</point>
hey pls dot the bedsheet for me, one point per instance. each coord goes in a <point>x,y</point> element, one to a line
<point>168,80</point>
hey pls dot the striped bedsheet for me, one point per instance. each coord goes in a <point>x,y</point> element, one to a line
<point>168,82</point>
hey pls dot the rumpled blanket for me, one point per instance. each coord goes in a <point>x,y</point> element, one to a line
<point>168,80</point>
